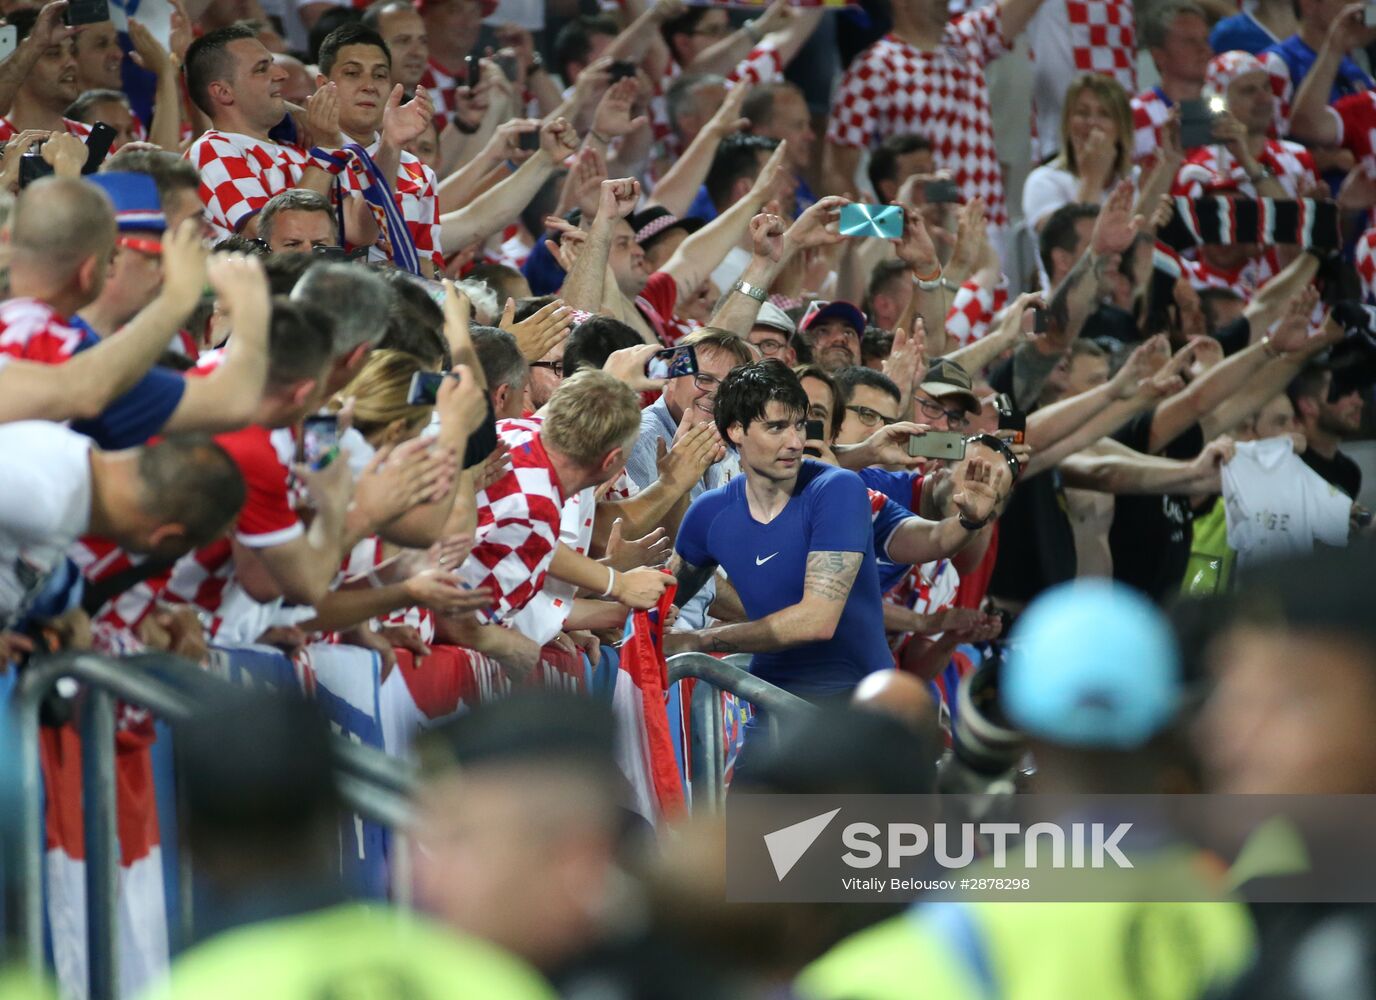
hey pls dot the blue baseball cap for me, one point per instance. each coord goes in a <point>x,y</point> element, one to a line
<point>136,201</point>
<point>1091,664</point>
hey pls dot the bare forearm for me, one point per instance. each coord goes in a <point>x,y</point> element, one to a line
<point>722,57</point>
<point>1272,298</point>
<point>699,254</point>
<point>793,626</point>
<point>677,188</point>
<point>466,183</point>
<point>484,217</point>
<point>1310,120</point>
<point>579,570</point>
<point>1119,474</point>
<point>116,363</point>
<point>585,285</point>
<point>1106,422</point>
<point>1182,411</point>
<point>975,356</point>
<point>739,311</point>
<point>15,70</point>
<point>639,514</point>
<point>1052,423</point>
<point>918,540</point>
<point>166,129</point>
<point>341,609</point>
<point>589,614</point>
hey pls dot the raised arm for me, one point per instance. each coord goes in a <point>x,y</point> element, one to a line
<point>1311,119</point>
<point>721,58</point>
<point>505,201</point>
<point>1014,15</point>
<point>48,30</point>
<point>677,188</point>
<point>698,255</point>
<point>228,397</point>
<point>981,487</point>
<point>1118,469</point>
<point>586,283</point>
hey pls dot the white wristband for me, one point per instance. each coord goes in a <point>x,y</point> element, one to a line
<point>611,583</point>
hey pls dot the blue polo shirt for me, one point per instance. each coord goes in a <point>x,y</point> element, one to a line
<point>137,415</point>
<point>829,511</point>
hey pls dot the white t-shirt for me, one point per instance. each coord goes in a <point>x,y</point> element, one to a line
<point>44,507</point>
<point>1277,506</point>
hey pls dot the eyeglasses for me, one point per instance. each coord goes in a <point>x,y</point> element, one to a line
<point>770,347</point>
<point>707,383</point>
<point>872,418</point>
<point>557,367</point>
<point>935,411</point>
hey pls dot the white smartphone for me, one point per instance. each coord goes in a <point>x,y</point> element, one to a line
<point>9,40</point>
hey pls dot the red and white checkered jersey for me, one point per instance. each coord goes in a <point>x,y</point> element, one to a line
<point>1103,39</point>
<point>240,173</point>
<point>973,309</point>
<point>1366,265</point>
<point>1068,38</point>
<point>1245,281</point>
<point>442,88</point>
<point>363,560</point>
<point>518,522</point>
<point>414,191</point>
<point>34,331</point>
<point>1213,170</point>
<point>267,519</point>
<point>1149,112</point>
<point>893,87</point>
<point>79,129</point>
<point>1282,87</point>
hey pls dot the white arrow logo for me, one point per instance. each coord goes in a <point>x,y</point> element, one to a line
<point>788,845</point>
<point>761,562</point>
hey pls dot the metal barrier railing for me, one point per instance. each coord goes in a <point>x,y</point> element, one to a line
<point>707,741</point>
<point>371,783</point>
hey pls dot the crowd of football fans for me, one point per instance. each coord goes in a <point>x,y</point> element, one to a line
<point>484,325</point>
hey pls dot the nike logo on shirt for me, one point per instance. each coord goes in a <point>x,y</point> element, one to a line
<point>761,562</point>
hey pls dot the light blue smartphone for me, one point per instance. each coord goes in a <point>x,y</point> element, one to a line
<point>883,222</point>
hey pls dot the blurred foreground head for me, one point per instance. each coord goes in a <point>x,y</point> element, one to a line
<point>1294,703</point>
<point>518,824</point>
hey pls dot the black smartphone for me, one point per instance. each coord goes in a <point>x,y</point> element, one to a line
<point>425,388</point>
<point>941,192</point>
<point>86,12</point>
<point>1010,419</point>
<point>32,166</point>
<point>98,145</point>
<point>814,431</point>
<point>1196,124</point>
<point>321,439</point>
<point>682,360</point>
<point>530,141</point>
<point>621,69</point>
<point>1041,320</point>
<point>937,444</point>
<point>472,72</point>
<point>506,62</point>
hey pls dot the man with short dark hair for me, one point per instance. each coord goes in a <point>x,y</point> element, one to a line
<point>297,221</point>
<point>1063,240</point>
<point>231,77</point>
<point>354,60</point>
<point>163,500</point>
<point>580,43</point>
<point>40,81</point>
<point>805,570</point>
<point>896,159</point>
<point>108,106</point>
<point>1327,411</point>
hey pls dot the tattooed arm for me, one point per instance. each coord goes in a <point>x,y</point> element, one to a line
<point>813,619</point>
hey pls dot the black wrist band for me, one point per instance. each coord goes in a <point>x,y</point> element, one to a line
<point>464,129</point>
<point>971,525</point>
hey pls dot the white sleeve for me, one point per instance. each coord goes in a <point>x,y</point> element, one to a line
<point>46,460</point>
<point>1327,508</point>
<point>1045,191</point>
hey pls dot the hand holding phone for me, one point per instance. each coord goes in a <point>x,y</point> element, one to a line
<point>942,191</point>
<point>321,440</point>
<point>814,431</point>
<point>425,388</point>
<point>948,445</point>
<point>883,222</point>
<point>683,360</point>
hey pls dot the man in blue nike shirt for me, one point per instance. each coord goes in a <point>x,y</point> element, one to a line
<point>796,540</point>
